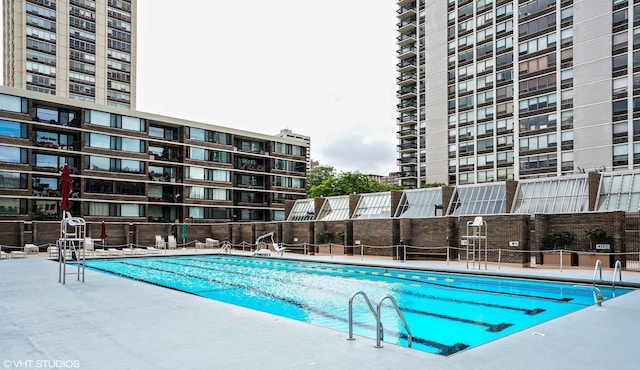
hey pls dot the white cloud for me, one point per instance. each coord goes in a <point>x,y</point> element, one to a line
<point>323,69</point>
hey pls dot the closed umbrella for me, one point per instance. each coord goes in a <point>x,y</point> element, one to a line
<point>66,186</point>
<point>103,232</point>
<point>184,232</point>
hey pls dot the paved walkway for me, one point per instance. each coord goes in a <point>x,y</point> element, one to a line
<point>114,323</point>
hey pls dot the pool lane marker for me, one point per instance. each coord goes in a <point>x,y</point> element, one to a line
<point>443,349</point>
<point>403,276</point>
<point>490,327</point>
<point>527,311</point>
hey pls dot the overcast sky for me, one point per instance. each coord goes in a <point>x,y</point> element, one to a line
<point>325,69</point>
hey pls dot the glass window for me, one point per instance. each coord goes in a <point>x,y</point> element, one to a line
<point>375,205</point>
<point>478,200</point>
<point>619,191</point>
<point>10,154</point>
<point>302,210</point>
<point>99,141</point>
<point>98,118</point>
<point>13,180</point>
<point>420,203</point>
<point>13,129</point>
<point>132,123</point>
<point>334,208</point>
<point>560,195</point>
<point>196,153</point>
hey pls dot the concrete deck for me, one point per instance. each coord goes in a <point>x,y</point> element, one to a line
<point>114,323</point>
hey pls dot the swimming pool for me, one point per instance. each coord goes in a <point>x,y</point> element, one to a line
<point>446,312</point>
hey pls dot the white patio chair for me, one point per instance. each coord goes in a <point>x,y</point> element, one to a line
<point>212,243</point>
<point>160,243</point>
<point>171,242</point>
<point>89,247</point>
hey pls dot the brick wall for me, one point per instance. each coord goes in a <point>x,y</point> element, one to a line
<point>529,232</point>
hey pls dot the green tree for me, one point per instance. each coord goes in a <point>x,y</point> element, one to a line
<point>317,175</point>
<point>348,183</point>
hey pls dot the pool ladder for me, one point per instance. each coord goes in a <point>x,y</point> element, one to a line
<point>598,268</point>
<point>376,313</point>
<point>617,268</point>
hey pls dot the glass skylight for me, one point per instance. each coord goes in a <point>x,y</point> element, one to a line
<point>420,203</point>
<point>553,195</point>
<point>335,208</point>
<point>619,191</point>
<point>302,210</point>
<point>484,199</point>
<point>374,205</point>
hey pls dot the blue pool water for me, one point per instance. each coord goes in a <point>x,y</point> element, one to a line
<point>445,312</point>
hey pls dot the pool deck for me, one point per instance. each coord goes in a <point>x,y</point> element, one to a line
<point>113,323</point>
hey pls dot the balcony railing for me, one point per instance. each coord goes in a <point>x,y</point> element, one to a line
<point>407,104</point>
<point>407,118</point>
<point>407,132</point>
<point>406,146</point>
<point>406,160</point>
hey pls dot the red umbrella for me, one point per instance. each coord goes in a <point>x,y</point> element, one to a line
<point>103,232</point>
<point>66,185</point>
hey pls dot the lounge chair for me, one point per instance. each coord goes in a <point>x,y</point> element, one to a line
<point>114,251</point>
<point>171,242</point>
<point>212,243</point>
<point>31,249</point>
<point>128,251</point>
<point>18,254</point>
<point>89,247</point>
<point>4,254</point>
<point>102,252</point>
<point>53,252</point>
<point>160,243</point>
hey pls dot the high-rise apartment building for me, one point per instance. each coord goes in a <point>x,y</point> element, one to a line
<point>80,49</point>
<point>491,90</point>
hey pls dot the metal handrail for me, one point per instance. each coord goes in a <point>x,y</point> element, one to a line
<point>615,268</point>
<point>595,271</point>
<point>597,295</point>
<point>373,311</point>
<point>379,324</point>
<point>376,313</point>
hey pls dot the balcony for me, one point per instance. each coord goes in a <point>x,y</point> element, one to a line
<point>165,198</point>
<point>407,65</point>
<point>407,146</point>
<point>406,38</point>
<point>406,79</point>
<point>407,106</point>
<point>406,133</point>
<point>407,51</point>
<point>407,160</point>
<point>406,11</point>
<point>407,174</point>
<point>407,92</point>
<point>406,24</point>
<point>407,118</point>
